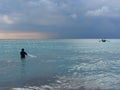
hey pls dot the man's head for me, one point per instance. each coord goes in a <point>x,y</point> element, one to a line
<point>22,49</point>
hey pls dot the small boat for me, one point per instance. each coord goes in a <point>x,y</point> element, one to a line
<point>103,40</point>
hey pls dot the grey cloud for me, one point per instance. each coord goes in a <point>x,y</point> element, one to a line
<point>103,11</point>
<point>103,8</point>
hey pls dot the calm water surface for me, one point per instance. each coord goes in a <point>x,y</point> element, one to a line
<point>64,64</point>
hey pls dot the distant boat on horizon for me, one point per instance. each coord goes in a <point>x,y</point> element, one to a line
<point>103,40</point>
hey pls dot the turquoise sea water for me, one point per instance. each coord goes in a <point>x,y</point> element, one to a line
<point>63,64</point>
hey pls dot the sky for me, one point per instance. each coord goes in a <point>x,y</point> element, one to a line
<point>21,19</point>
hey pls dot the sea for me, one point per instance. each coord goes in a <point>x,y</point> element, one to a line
<point>60,64</point>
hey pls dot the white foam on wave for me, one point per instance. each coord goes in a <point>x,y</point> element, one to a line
<point>104,81</point>
<point>32,56</point>
<point>20,89</point>
<point>44,87</point>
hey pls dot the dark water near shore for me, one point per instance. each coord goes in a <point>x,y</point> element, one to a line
<point>64,64</point>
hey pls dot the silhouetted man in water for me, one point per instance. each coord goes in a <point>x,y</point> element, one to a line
<point>23,53</point>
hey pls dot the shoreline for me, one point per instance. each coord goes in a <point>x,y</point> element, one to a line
<point>41,81</point>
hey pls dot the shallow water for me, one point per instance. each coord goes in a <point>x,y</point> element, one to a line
<point>64,64</point>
